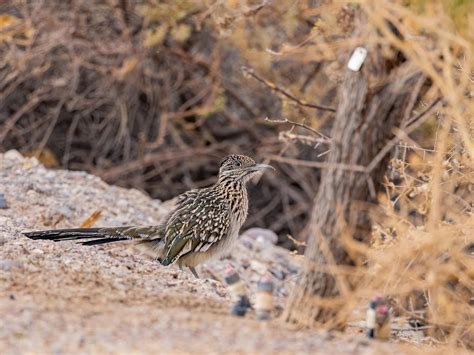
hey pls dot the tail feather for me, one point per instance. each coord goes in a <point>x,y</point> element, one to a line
<point>150,238</point>
<point>65,234</point>
<point>104,241</point>
<point>82,235</point>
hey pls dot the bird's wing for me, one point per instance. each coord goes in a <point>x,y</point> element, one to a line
<point>196,225</point>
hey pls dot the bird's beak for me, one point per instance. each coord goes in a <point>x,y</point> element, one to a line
<point>263,166</point>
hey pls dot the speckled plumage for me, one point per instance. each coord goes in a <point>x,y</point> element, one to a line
<point>204,223</point>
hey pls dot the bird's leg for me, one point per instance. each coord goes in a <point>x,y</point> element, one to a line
<point>193,270</point>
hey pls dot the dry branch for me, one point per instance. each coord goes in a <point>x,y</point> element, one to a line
<point>284,92</point>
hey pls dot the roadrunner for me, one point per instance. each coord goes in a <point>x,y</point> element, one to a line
<point>204,223</point>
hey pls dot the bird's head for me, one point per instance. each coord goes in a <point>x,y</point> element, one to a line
<point>240,168</point>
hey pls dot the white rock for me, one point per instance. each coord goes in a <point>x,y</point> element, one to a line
<point>258,267</point>
<point>261,234</point>
<point>13,155</point>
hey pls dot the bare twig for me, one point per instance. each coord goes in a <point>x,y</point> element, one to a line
<point>308,140</point>
<point>249,12</point>
<point>296,242</point>
<point>415,118</point>
<point>319,165</point>
<point>302,125</point>
<point>288,95</point>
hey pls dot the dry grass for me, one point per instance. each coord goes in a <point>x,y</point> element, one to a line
<point>421,257</point>
<point>428,207</point>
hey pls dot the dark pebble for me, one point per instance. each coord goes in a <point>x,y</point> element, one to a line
<point>240,308</point>
<point>280,275</point>
<point>3,201</point>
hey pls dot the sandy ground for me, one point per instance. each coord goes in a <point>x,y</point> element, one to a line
<point>64,298</point>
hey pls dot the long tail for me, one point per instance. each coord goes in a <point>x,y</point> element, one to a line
<point>95,236</point>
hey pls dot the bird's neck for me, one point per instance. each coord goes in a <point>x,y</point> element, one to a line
<point>229,185</point>
<point>235,192</point>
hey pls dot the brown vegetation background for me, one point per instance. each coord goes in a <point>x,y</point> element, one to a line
<point>152,94</point>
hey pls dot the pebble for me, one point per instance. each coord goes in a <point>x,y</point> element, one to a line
<point>50,175</point>
<point>7,264</point>
<point>280,275</point>
<point>13,155</point>
<point>66,211</point>
<point>44,189</point>
<point>262,235</point>
<point>292,269</point>
<point>258,267</point>
<point>245,263</point>
<point>4,221</point>
<point>3,201</point>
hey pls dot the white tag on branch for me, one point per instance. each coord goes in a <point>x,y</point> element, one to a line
<point>357,59</point>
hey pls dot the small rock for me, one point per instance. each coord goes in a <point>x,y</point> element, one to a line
<point>261,234</point>
<point>44,189</point>
<point>30,163</point>
<point>258,267</point>
<point>245,263</point>
<point>31,194</point>
<point>280,275</point>
<point>37,252</point>
<point>7,265</point>
<point>66,211</point>
<point>13,155</point>
<point>3,201</point>
<point>50,175</point>
<point>221,293</point>
<point>291,268</point>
